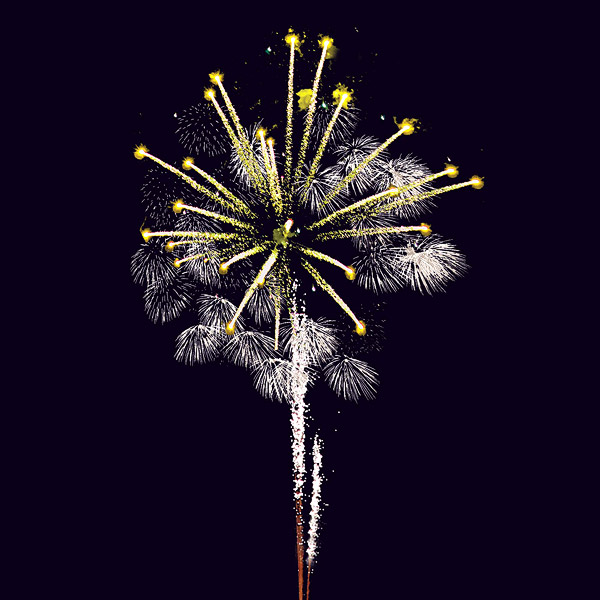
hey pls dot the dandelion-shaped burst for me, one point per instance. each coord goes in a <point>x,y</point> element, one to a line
<point>263,227</point>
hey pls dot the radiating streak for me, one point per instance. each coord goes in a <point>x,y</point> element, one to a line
<point>247,159</point>
<point>256,250</point>
<point>391,193</point>
<point>259,280</point>
<point>311,112</point>
<point>179,206</point>
<point>423,196</point>
<point>325,257</point>
<point>194,184</point>
<point>326,287</point>
<point>202,235</point>
<point>290,112</point>
<point>363,164</point>
<point>275,174</point>
<point>323,145</point>
<point>340,234</point>
<point>239,204</point>
<point>179,261</point>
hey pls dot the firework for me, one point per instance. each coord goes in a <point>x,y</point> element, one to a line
<point>265,227</point>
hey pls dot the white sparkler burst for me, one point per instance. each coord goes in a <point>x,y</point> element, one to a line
<point>351,378</point>
<point>427,265</point>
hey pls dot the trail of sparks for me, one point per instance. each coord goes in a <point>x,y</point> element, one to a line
<point>315,506</point>
<point>340,234</point>
<point>311,109</point>
<point>291,40</point>
<point>407,128</point>
<point>360,326</point>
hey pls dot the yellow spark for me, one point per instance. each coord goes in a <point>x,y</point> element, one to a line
<point>209,94</point>
<point>476,182</point>
<point>230,328</point>
<point>426,231</point>
<point>140,151</point>
<point>291,38</point>
<point>452,170</point>
<point>216,77</point>
<point>179,261</point>
<point>326,287</point>
<point>188,163</point>
<point>343,95</point>
<point>361,328</point>
<point>146,234</point>
<point>351,273</point>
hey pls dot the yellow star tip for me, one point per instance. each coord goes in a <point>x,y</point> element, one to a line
<point>408,125</point>
<point>425,232</point>
<point>209,94</point>
<point>476,182</point>
<point>223,268</point>
<point>216,76</point>
<point>261,133</point>
<point>451,170</point>
<point>188,161</point>
<point>177,206</point>
<point>140,152</point>
<point>169,246</point>
<point>230,328</point>
<point>177,263</point>
<point>351,273</point>
<point>261,283</point>
<point>361,328</point>
<point>146,234</point>
<point>288,224</point>
<point>291,38</point>
<point>325,42</point>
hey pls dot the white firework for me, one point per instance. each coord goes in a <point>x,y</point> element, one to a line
<point>199,344</point>
<point>351,378</point>
<point>428,265</point>
<point>165,300</point>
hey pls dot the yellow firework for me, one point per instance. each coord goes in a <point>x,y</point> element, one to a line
<point>261,219</point>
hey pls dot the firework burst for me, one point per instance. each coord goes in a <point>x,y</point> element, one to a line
<point>266,227</point>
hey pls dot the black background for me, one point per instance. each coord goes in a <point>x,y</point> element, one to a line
<point>176,482</point>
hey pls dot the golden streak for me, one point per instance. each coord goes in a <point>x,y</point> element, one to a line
<point>247,159</point>
<point>451,170</point>
<point>422,196</point>
<point>179,261</point>
<point>258,281</point>
<point>311,109</point>
<point>224,267</point>
<point>242,207</point>
<point>350,272</point>
<point>289,111</point>
<point>404,129</point>
<point>192,183</point>
<point>323,143</point>
<point>326,287</point>
<point>341,234</point>
<point>179,206</point>
<point>389,193</point>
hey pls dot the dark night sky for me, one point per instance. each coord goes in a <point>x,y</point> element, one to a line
<point>187,486</point>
